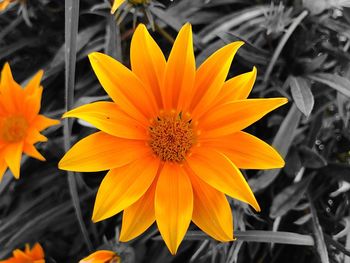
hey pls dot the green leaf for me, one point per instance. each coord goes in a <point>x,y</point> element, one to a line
<point>282,142</point>
<point>302,94</point>
<point>260,236</point>
<point>289,198</point>
<point>311,158</point>
<point>334,81</point>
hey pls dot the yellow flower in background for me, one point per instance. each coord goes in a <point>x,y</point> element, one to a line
<point>34,255</point>
<point>20,121</point>
<point>5,3</point>
<point>172,140</point>
<point>118,3</point>
<point>102,256</point>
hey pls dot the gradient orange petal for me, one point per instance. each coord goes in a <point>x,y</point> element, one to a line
<point>247,151</point>
<point>235,116</point>
<point>123,186</point>
<point>108,117</point>
<point>210,77</point>
<point>148,62</point>
<point>138,217</point>
<point>13,155</point>
<point>218,171</point>
<point>173,205</point>
<point>121,84</point>
<point>101,151</point>
<point>180,72</point>
<point>211,210</point>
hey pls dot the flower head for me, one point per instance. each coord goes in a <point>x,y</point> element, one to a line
<point>34,255</point>
<point>101,256</point>
<point>172,140</point>
<point>20,121</point>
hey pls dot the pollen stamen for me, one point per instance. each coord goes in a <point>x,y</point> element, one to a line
<point>172,135</point>
<point>13,128</point>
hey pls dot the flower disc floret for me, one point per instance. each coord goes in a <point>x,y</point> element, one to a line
<point>172,136</point>
<point>14,128</point>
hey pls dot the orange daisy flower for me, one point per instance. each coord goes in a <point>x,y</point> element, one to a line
<point>118,3</point>
<point>34,255</point>
<point>20,121</point>
<point>4,4</point>
<point>172,139</point>
<point>102,256</point>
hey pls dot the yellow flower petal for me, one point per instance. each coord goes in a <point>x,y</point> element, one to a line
<point>101,151</point>
<point>101,256</point>
<point>246,151</point>
<point>138,217</point>
<point>123,85</point>
<point>34,83</point>
<point>123,186</point>
<point>179,72</point>
<point>219,172</point>
<point>31,151</point>
<point>211,210</point>
<point>235,116</point>
<point>237,88</point>
<point>41,122</point>
<point>211,76</point>
<point>116,5</point>
<point>148,62</point>
<point>13,155</point>
<point>173,205</point>
<point>108,117</point>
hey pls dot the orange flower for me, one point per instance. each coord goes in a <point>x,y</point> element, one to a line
<point>20,121</point>
<point>34,255</point>
<point>101,256</point>
<point>172,139</point>
<point>118,3</point>
<point>5,3</point>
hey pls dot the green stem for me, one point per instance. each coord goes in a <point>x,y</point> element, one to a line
<point>71,32</point>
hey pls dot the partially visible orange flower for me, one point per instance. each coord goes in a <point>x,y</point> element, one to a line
<point>20,121</point>
<point>34,255</point>
<point>5,3</point>
<point>101,256</point>
<point>118,3</point>
<point>172,139</point>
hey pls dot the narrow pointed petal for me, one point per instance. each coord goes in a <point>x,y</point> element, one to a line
<point>247,151</point>
<point>41,122</point>
<point>148,62</point>
<point>3,168</point>
<point>211,210</point>
<point>180,72</point>
<point>108,117</point>
<point>122,84</point>
<point>116,5</point>
<point>101,151</point>
<point>218,171</point>
<point>237,88</point>
<point>138,217</point>
<point>13,155</point>
<point>37,252</point>
<point>235,116</point>
<point>123,186</point>
<point>210,77</point>
<point>101,256</point>
<point>34,83</point>
<point>173,205</point>
<point>31,151</point>
<point>34,136</point>
<point>6,75</point>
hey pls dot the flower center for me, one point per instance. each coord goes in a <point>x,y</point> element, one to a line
<point>13,128</point>
<point>172,136</point>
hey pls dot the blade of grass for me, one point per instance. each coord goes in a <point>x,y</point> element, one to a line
<point>260,236</point>
<point>318,232</point>
<point>282,43</point>
<point>71,32</point>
